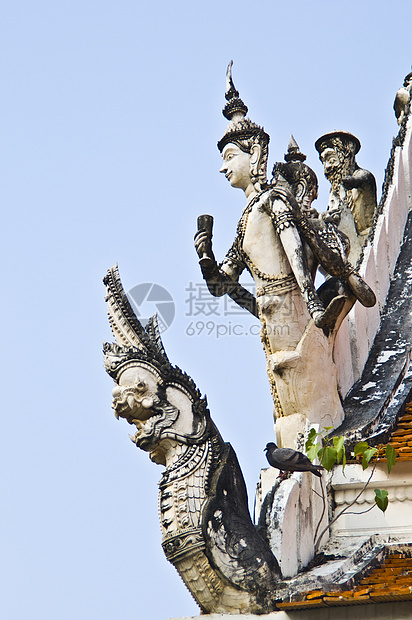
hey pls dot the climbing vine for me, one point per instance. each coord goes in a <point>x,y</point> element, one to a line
<point>332,451</point>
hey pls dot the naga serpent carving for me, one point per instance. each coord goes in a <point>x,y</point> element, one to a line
<point>207,531</point>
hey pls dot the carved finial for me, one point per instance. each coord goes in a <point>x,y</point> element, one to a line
<point>231,90</point>
<point>294,153</point>
<point>235,109</point>
<point>240,128</point>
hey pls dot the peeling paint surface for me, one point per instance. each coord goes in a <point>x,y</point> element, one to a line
<point>388,365</point>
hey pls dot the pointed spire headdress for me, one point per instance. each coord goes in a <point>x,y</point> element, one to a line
<point>294,153</point>
<point>240,128</point>
<point>294,169</point>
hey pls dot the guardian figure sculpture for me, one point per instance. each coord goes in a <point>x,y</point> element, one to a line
<point>272,244</point>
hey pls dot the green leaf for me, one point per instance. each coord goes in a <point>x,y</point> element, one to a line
<point>381,499</point>
<point>311,438</point>
<point>325,438</point>
<point>329,457</point>
<point>312,433</point>
<point>343,462</point>
<point>390,457</point>
<point>360,448</point>
<point>339,445</point>
<point>313,452</point>
<point>338,442</point>
<point>367,455</point>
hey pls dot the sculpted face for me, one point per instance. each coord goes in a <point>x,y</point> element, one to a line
<point>330,160</point>
<point>236,166</point>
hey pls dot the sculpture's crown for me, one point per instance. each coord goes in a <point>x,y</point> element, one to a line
<point>239,128</point>
<point>294,153</point>
<point>329,139</point>
<point>294,169</point>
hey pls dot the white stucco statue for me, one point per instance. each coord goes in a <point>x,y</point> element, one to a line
<point>353,189</point>
<point>281,242</point>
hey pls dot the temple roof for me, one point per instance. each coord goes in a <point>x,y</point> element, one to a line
<point>390,581</point>
<point>376,401</point>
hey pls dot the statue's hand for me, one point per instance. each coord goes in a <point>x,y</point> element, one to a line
<point>331,216</point>
<point>280,360</point>
<point>314,214</point>
<point>203,245</point>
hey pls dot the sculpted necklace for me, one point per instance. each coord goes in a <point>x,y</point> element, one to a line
<point>240,235</point>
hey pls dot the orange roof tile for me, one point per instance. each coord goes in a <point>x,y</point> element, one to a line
<point>400,439</point>
<point>391,581</point>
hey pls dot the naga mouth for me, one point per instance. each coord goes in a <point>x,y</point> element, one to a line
<point>139,425</point>
<point>142,441</point>
<point>146,435</point>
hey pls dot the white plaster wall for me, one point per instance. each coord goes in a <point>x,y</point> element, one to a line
<point>284,526</point>
<point>266,482</point>
<point>363,322</point>
<point>294,515</point>
<point>343,358</point>
<point>380,248</point>
<point>377,269</point>
<point>407,164</point>
<point>305,549</point>
<point>395,521</point>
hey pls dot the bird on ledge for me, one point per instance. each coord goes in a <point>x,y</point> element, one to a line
<point>288,460</point>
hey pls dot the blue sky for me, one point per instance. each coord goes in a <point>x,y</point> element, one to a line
<point>110,116</point>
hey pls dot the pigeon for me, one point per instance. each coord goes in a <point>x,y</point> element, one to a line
<point>286,459</point>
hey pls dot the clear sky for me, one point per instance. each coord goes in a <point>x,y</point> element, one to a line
<point>110,114</point>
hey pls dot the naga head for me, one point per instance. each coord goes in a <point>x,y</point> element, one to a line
<point>159,399</point>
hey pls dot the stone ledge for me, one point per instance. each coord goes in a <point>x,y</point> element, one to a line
<point>378,611</point>
<point>276,615</point>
